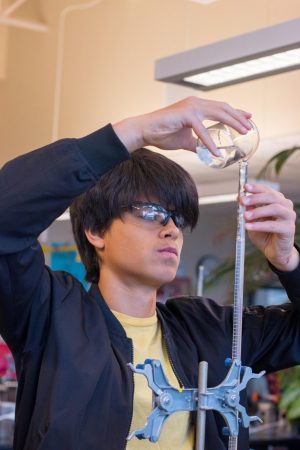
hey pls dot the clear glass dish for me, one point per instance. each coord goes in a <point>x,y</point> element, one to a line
<point>232,145</point>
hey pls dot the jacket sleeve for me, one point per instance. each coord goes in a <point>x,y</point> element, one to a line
<point>271,336</point>
<point>35,189</point>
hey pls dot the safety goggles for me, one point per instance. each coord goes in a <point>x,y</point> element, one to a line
<point>155,213</point>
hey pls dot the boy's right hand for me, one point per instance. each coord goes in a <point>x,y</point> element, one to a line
<point>172,127</point>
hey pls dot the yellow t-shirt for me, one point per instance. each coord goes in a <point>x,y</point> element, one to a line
<point>177,432</point>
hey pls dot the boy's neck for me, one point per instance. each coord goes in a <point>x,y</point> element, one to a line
<point>128,297</point>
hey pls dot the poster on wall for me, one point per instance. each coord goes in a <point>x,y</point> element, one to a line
<point>65,257</point>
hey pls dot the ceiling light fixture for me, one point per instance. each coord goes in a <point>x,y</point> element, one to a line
<point>257,54</point>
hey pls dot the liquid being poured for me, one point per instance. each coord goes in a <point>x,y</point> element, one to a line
<point>229,155</point>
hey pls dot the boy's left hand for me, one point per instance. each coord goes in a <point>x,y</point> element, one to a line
<point>270,222</point>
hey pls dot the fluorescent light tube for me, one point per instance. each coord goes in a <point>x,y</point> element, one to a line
<point>263,65</point>
<point>257,54</point>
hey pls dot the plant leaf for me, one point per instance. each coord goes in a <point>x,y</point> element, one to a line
<point>288,397</point>
<point>277,162</point>
<point>294,410</point>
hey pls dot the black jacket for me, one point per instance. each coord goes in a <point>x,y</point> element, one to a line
<point>75,389</point>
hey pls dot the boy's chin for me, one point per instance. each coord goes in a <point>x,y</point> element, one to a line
<point>159,279</point>
<point>165,280</point>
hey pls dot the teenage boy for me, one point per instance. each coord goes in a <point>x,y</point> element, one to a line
<point>72,348</point>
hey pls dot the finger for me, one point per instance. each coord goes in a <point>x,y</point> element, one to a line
<point>262,194</point>
<point>234,121</point>
<point>250,208</point>
<point>276,211</point>
<point>272,226</point>
<point>204,137</point>
<point>240,199</point>
<point>255,188</point>
<point>224,113</point>
<point>271,194</point>
<point>267,198</point>
<point>247,114</point>
<point>240,116</point>
<point>190,143</point>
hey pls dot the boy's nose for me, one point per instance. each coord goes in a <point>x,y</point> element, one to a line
<point>170,229</point>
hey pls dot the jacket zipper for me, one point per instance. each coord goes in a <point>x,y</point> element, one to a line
<point>172,363</point>
<point>165,342</point>
<point>178,378</point>
<point>130,423</point>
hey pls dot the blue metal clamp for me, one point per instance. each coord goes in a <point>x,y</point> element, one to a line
<point>224,398</point>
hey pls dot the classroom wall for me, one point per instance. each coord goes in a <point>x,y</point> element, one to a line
<point>108,66</point>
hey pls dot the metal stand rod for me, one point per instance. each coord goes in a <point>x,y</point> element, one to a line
<point>239,280</point>
<point>201,413</point>
<point>239,269</point>
<point>200,281</point>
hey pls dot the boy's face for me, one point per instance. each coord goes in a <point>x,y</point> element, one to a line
<point>139,251</point>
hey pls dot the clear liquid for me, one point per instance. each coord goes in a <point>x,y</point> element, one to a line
<point>229,155</point>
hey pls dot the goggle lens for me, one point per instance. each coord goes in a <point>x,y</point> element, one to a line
<point>156,213</point>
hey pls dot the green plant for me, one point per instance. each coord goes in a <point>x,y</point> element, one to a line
<point>289,380</point>
<point>277,162</point>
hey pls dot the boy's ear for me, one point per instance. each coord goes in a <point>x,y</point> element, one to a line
<point>96,239</point>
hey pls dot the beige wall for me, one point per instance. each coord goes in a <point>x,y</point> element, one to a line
<point>3,50</point>
<point>109,61</point>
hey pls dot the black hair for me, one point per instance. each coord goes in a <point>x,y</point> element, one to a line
<point>147,176</point>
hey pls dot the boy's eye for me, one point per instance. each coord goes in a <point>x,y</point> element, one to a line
<point>180,222</point>
<point>153,215</point>
<point>156,213</point>
<point>148,215</point>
